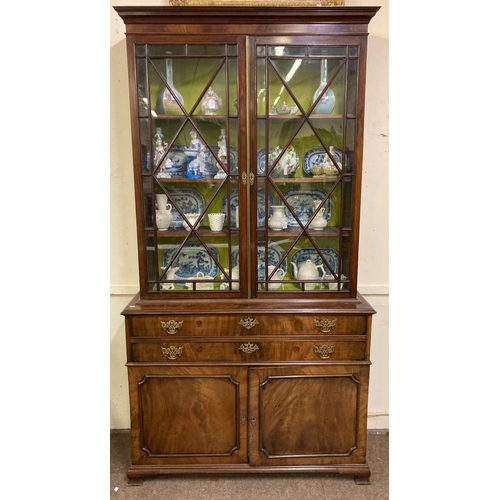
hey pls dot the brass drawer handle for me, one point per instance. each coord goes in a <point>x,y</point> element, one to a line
<point>172,352</point>
<point>248,322</point>
<point>171,326</point>
<point>249,348</point>
<point>325,325</point>
<point>324,352</point>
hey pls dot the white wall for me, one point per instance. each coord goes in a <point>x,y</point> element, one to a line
<point>373,261</point>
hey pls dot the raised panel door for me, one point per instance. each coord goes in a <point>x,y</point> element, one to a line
<point>188,415</point>
<point>310,415</point>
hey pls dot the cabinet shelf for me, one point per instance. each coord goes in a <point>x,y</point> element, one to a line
<point>186,180</point>
<point>198,117</point>
<point>295,231</point>
<point>297,117</point>
<point>181,232</point>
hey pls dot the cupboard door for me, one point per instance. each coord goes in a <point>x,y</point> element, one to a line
<point>305,104</point>
<point>188,415</point>
<point>308,415</point>
<point>188,130</point>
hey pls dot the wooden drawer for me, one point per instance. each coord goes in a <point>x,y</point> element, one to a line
<point>248,350</point>
<point>234,325</point>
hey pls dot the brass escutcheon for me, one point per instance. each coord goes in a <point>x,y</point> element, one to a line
<point>252,178</point>
<point>172,352</point>
<point>325,325</point>
<point>249,322</point>
<point>249,348</point>
<point>324,352</point>
<point>244,178</point>
<point>171,326</point>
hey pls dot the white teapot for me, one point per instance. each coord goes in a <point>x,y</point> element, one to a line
<point>308,271</point>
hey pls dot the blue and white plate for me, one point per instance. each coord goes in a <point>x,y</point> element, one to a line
<point>191,260</point>
<point>316,156</point>
<point>329,255</point>
<point>188,200</point>
<point>261,206</point>
<point>302,202</point>
<point>274,255</point>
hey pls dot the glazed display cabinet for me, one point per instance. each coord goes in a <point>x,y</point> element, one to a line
<point>248,345</point>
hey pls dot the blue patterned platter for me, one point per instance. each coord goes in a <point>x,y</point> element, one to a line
<point>303,254</point>
<point>274,255</point>
<point>188,200</point>
<point>316,156</point>
<point>302,202</point>
<point>191,260</point>
<point>261,206</point>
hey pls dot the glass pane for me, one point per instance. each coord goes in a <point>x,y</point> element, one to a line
<point>191,167</point>
<point>303,167</point>
<point>328,51</point>
<point>352,86</point>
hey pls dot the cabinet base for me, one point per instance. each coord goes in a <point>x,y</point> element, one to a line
<point>136,473</point>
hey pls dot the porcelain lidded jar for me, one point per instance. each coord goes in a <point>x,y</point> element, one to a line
<point>211,102</point>
<point>277,221</point>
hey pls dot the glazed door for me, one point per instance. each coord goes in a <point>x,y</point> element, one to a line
<point>305,112</point>
<point>190,164</point>
<point>188,415</point>
<point>308,415</point>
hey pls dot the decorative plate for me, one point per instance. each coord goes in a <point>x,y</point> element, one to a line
<point>188,200</point>
<point>212,168</point>
<point>302,202</point>
<point>316,156</point>
<point>274,255</point>
<point>191,260</point>
<point>287,165</point>
<point>261,206</point>
<point>303,254</point>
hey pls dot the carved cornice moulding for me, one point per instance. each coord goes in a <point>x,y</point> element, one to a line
<point>257,3</point>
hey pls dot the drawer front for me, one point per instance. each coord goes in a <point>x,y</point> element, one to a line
<point>248,350</point>
<point>246,325</point>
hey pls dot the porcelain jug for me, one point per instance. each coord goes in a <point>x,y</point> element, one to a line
<point>278,275</point>
<point>277,221</point>
<point>164,217</point>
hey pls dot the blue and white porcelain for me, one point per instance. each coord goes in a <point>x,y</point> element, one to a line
<point>274,255</point>
<point>316,157</point>
<point>330,256</point>
<point>192,259</point>
<point>302,202</point>
<point>261,206</point>
<point>188,200</point>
